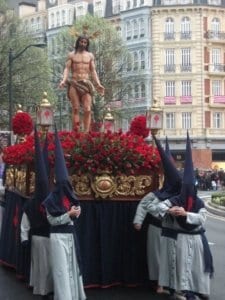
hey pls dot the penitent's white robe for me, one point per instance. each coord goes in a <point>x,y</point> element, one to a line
<point>68,283</point>
<point>153,237</point>
<point>40,268</point>
<point>181,259</point>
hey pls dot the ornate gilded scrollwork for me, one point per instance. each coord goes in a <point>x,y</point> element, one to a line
<point>81,185</point>
<point>101,186</point>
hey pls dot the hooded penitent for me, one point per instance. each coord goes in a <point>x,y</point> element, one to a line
<point>33,208</point>
<point>189,200</point>
<point>62,197</point>
<point>172,180</point>
<point>188,197</point>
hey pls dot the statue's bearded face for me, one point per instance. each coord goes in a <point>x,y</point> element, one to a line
<point>83,44</point>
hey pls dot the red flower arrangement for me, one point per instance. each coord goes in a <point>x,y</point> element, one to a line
<point>22,123</point>
<point>138,126</point>
<point>93,153</point>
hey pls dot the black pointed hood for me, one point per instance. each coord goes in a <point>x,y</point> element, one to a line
<point>63,196</point>
<point>41,177</point>
<point>172,180</point>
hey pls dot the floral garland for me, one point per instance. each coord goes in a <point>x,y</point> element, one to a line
<point>22,123</point>
<point>93,153</point>
<point>138,126</point>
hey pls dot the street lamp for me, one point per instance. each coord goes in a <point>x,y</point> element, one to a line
<point>11,59</point>
<point>155,117</point>
<point>109,121</point>
<point>44,114</point>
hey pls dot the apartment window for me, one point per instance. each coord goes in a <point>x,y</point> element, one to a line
<point>26,27</point>
<point>186,87</point>
<point>63,17</point>
<point>215,27</point>
<point>169,58</point>
<point>216,53</point>
<point>217,120</point>
<point>38,24</point>
<point>186,56</point>
<point>170,88</point>
<point>142,54</point>
<point>128,5</point>
<point>136,91</point>
<point>129,92</point>
<point>169,29</point>
<point>128,30</point>
<point>135,28</point>
<point>135,61</point>
<point>186,120</point>
<point>142,28</point>
<point>134,3</point>
<point>129,62</point>
<point>116,6</point>
<point>57,19</point>
<point>170,120</point>
<point>98,9</point>
<point>142,2</point>
<point>216,87</point>
<point>185,28</point>
<point>143,93</point>
<point>52,18</point>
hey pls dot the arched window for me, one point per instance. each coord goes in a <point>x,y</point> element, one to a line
<point>169,25</point>
<point>142,27</point>
<point>143,92</point>
<point>135,61</point>
<point>128,30</point>
<point>135,29</point>
<point>142,55</point>
<point>185,25</point>
<point>215,27</point>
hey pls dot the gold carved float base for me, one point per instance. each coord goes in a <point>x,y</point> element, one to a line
<point>88,187</point>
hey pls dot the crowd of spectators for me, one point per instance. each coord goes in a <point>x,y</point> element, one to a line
<point>207,180</point>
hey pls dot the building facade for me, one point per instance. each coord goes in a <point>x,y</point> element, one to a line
<point>177,56</point>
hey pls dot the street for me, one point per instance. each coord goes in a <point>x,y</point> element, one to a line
<point>12,288</point>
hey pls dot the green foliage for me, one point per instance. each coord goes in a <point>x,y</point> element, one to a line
<point>218,198</point>
<point>30,70</point>
<point>110,54</point>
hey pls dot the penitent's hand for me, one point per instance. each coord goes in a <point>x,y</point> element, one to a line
<point>75,211</point>
<point>137,226</point>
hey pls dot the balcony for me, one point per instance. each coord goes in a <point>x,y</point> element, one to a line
<point>215,35</point>
<point>186,99</point>
<point>168,36</point>
<point>170,68</point>
<point>169,100</point>
<point>217,68</point>
<point>185,68</point>
<point>185,35</point>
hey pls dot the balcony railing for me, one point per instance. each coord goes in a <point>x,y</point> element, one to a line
<point>185,35</point>
<point>215,35</point>
<point>185,68</point>
<point>169,68</point>
<point>169,35</point>
<point>218,68</point>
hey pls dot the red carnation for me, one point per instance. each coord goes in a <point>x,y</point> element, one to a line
<point>22,123</point>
